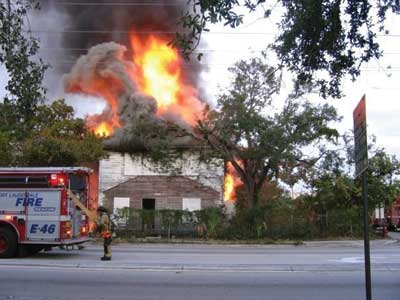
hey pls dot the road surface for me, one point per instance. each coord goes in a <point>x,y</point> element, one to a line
<point>313,271</point>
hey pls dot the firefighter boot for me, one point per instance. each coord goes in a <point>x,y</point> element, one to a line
<point>106,258</point>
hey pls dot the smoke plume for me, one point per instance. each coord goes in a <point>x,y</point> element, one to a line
<point>94,39</point>
<point>85,24</point>
<point>104,73</point>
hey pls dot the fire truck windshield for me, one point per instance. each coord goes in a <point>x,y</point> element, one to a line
<point>77,182</point>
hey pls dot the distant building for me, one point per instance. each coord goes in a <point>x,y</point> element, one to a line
<point>394,212</point>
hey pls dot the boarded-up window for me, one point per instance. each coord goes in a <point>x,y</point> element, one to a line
<point>119,204</point>
<point>191,204</point>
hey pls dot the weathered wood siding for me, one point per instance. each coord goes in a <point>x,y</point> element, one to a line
<point>168,192</point>
<point>120,167</point>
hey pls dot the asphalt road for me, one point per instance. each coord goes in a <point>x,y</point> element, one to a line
<point>22,283</point>
<point>314,271</point>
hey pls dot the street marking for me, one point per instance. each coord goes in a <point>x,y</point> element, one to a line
<point>357,259</point>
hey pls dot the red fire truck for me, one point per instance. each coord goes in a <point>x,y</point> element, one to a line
<point>37,210</point>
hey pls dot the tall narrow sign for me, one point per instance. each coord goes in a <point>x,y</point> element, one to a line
<point>361,159</point>
<point>360,137</point>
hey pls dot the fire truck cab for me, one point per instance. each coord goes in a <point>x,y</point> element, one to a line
<point>36,210</point>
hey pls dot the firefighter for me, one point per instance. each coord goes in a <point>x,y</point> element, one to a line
<point>104,228</point>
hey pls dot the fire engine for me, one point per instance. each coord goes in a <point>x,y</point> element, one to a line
<point>43,207</point>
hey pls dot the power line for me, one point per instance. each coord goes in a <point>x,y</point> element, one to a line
<point>396,69</point>
<point>145,32</point>
<point>72,62</point>
<point>118,4</point>
<point>161,32</point>
<point>159,50</point>
<point>182,65</point>
<point>196,51</point>
<point>388,35</point>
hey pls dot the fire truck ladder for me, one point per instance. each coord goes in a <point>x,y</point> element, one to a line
<point>92,215</point>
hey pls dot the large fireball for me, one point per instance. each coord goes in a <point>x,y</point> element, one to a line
<point>155,69</point>
<point>159,73</point>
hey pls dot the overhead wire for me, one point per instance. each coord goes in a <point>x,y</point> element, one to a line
<point>145,32</point>
<point>189,65</point>
<point>198,50</point>
<point>120,3</point>
<point>161,32</point>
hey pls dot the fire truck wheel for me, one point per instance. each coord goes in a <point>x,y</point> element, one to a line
<point>8,243</point>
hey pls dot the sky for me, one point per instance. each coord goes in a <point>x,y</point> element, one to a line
<point>379,80</point>
<point>223,46</point>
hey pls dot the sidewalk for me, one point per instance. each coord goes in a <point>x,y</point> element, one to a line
<point>316,256</point>
<point>394,235</point>
<point>355,243</point>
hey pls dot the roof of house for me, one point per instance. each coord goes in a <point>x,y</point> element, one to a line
<point>179,137</point>
<point>164,178</point>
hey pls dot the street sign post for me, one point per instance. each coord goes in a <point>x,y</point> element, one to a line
<point>360,137</point>
<point>361,159</point>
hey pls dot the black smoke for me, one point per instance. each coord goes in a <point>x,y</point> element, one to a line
<point>85,24</point>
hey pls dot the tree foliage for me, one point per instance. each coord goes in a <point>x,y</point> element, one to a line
<point>382,173</point>
<point>33,133</point>
<point>332,36</point>
<point>333,184</point>
<point>18,50</point>
<point>259,142</point>
<point>57,138</point>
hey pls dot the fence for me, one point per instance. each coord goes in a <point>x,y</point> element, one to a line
<point>139,223</point>
<point>264,223</point>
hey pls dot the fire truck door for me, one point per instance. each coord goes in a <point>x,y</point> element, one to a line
<point>43,214</point>
<point>76,220</point>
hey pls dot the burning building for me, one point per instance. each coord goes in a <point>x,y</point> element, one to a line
<point>146,93</point>
<point>123,58</point>
<point>146,89</point>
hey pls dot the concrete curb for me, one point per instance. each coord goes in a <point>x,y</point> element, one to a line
<point>334,243</point>
<point>117,266</point>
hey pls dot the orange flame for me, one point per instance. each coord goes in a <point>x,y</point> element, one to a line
<point>108,88</point>
<point>104,129</point>
<point>229,188</point>
<point>157,71</point>
<point>231,182</point>
<point>159,74</point>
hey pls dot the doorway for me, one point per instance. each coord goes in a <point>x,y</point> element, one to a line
<point>149,203</point>
<point>149,206</point>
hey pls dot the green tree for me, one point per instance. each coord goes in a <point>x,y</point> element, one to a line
<point>333,185</point>
<point>18,53</point>
<point>383,187</point>
<point>33,133</point>
<point>259,143</point>
<point>6,150</point>
<point>332,36</point>
<point>55,139</point>
<point>58,139</point>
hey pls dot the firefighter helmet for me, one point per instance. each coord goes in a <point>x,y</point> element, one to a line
<point>102,209</point>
